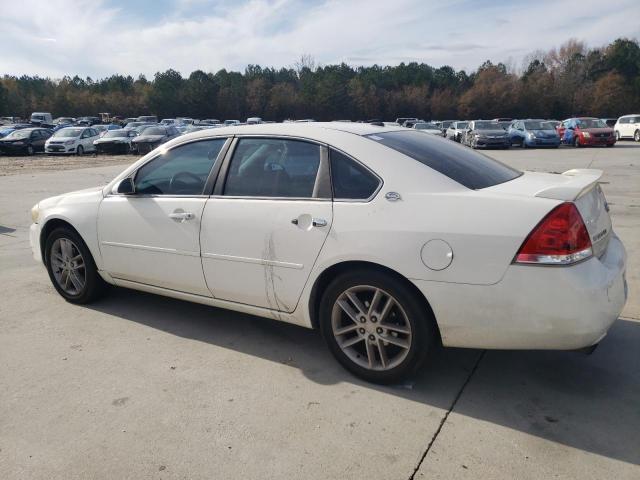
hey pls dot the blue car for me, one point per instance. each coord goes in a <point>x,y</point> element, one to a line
<point>533,133</point>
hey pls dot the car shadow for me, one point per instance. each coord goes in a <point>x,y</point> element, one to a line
<point>589,403</point>
<point>6,230</point>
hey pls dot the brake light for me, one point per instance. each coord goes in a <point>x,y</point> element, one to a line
<point>561,238</point>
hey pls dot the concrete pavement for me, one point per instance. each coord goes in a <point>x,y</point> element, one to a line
<point>138,386</point>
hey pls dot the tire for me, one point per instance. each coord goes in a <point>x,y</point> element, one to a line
<point>636,136</point>
<point>576,142</point>
<point>610,144</point>
<point>523,144</point>
<point>30,150</point>
<point>407,322</point>
<point>80,150</point>
<point>617,134</point>
<point>66,251</point>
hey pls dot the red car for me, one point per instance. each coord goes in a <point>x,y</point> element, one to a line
<point>586,131</point>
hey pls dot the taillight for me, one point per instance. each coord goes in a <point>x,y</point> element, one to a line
<point>561,238</point>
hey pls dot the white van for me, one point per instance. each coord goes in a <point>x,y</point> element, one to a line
<point>628,126</point>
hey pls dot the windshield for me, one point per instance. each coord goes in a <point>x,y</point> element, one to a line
<point>68,132</point>
<point>446,124</point>
<point>537,125</point>
<point>591,123</point>
<point>465,166</point>
<point>18,134</point>
<point>116,133</point>
<point>487,126</point>
<point>155,131</point>
<point>461,125</point>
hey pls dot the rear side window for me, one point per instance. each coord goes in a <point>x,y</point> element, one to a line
<point>461,164</point>
<point>350,180</point>
<point>273,167</point>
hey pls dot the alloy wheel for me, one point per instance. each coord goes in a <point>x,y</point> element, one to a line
<point>68,267</point>
<point>371,328</point>
<point>636,136</point>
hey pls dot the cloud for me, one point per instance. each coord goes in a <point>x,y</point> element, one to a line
<point>99,37</point>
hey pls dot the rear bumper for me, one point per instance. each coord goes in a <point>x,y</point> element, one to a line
<point>545,308</point>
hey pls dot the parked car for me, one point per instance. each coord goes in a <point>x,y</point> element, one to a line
<point>443,125</point>
<point>42,118</point>
<point>26,141</point>
<point>64,121</point>
<point>102,129</point>
<point>231,122</point>
<point>455,130</point>
<point>485,134</point>
<point>147,119</point>
<point>209,121</point>
<point>401,120</point>
<point>87,121</point>
<point>628,126</point>
<point>411,123</point>
<point>533,133</point>
<point>133,125</point>
<point>253,120</point>
<point>586,131</point>
<point>271,222</point>
<point>609,121</point>
<point>78,140</point>
<point>168,121</point>
<point>152,137</point>
<point>426,128</point>
<point>116,141</point>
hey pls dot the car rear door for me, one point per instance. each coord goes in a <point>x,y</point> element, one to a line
<point>153,236</point>
<point>267,221</point>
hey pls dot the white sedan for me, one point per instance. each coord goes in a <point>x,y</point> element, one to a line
<point>387,240</point>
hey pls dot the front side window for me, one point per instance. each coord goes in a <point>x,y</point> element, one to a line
<point>270,167</point>
<point>465,166</point>
<point>180,171</point>
<point>350,180</point>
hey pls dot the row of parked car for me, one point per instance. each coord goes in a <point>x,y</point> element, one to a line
<point>140,135</point>
<point>532,133</point>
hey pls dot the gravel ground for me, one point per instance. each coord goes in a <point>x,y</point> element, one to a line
<point>50,163</point>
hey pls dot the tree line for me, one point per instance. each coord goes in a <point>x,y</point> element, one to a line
<point>565,81</point>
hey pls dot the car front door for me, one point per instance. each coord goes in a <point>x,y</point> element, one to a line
<point>153,235</point>
<point>263,228</point>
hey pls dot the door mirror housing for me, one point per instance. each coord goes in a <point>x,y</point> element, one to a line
<point>125,187</point>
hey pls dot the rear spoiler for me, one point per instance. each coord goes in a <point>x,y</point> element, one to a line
<point>579,181</point>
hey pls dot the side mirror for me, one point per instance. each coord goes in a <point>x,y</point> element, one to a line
<point>125,187</point>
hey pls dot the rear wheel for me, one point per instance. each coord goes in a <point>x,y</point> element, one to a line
<point>375,326</point>
<point>617,135</point>
<point>71,267</point>
<point>636,136</point>
<point>80,150</point>
<point>30,150</point>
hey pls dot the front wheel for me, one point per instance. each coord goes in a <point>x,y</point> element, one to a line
<point>375,326</point>
<point>576,142</point>
<point>30,150</point>
<point>80,150</point>
<point>636,136</point>
<point>617,135</point>
<point>71,267</point>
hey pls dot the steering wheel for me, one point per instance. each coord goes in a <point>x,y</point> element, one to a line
<point>175,179</point>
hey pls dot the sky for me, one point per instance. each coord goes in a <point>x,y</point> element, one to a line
<point>98,38</point>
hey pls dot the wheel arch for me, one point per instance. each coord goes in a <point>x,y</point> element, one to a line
<point>49,226</point>
<point>324,279</point>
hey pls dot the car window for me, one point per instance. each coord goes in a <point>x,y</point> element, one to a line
<point>350,180</point>
<point>35,134</point>
<point>263,167</point>
<point>465,166</point>
<point>180,171</point>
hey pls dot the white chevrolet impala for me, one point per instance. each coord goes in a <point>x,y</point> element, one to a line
<point>387,240</point>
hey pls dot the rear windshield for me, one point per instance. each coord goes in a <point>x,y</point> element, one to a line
<point>461,164</point>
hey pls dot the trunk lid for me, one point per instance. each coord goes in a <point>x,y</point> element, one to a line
<point>579,186</point>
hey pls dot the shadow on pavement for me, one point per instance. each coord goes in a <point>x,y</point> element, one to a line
<point>591,403</point>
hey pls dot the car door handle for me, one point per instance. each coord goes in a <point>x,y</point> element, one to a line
<point>316,222</point>
<point>181,216</point>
